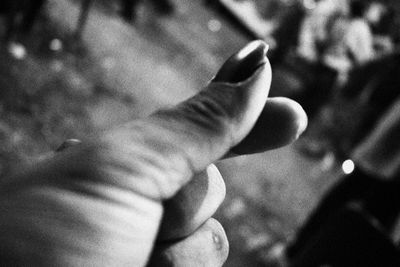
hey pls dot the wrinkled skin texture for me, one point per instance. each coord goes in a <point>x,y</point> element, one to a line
<point>101,202</point>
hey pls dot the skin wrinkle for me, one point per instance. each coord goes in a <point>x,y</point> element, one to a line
<point>164,171</point>
<point>65,201</point>
<point>210,106</point>
<point>215,110</point>
<point>82,180</point>
<point>139,167</point>
<point>195,146</point>
<point>112,163</point>
<point>36,233</point>
<point>224,94</point>
<point>152,144</point>
<point>130,181</point>
<point>211,123</point>
<point>108,167</point>
<point>217,99</point>
<point>208,124</point>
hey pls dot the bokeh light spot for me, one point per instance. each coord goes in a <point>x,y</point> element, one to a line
<point>348,166</point>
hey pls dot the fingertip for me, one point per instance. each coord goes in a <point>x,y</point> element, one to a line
<point>294,115</point>
<point>281,122</point>
<point>207,246</point>
<point>300,117</point>
<point>288,120</point>
<point>219,238</point>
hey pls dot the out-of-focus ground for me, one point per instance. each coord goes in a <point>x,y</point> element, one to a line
<point>118,71</point>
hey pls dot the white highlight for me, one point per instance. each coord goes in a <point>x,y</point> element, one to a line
<point>348,166</point>
<point>17,50</point>
<point>248,49</point>
<point>56,45</point>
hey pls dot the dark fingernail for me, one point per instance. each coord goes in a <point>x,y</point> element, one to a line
<point>68,143</point>
<point>244,63</point>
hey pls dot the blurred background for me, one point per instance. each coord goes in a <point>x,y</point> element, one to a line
<point>71,67</point>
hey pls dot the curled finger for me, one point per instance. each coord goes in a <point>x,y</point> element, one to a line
<point>208,246</point>
<point>193,205</point>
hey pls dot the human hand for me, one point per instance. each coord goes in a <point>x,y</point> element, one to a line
<point>139,192</point>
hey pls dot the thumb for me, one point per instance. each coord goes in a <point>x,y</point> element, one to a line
<point>154,157</point>
<point>184,140</point>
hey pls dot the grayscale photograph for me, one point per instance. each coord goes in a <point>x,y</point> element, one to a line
<point>200,133</point>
